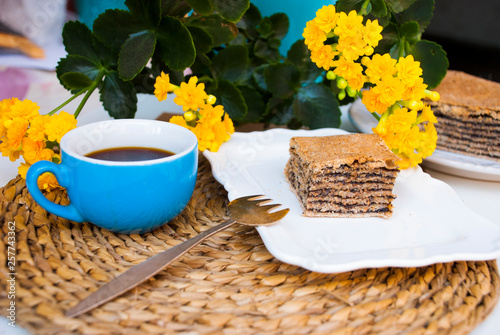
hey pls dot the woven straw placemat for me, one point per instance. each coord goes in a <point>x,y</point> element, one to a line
<point>228,285</point>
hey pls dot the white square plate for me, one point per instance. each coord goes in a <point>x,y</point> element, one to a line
<point>430,223</point>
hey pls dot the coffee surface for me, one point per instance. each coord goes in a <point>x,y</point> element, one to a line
<point>129,154</point>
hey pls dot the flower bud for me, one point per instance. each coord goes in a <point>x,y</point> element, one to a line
<point>433,95</point>
<point>211,99</point>
<point>330,75</point>
<point>368,50</point>
<point>341,95</point>
<point>189,116</point>
<point>341,83</point>
<point>350,92</point>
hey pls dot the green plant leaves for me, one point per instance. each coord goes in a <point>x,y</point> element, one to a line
<point>76,80</point>
<point>282,79</point>
<point>175,45</point>
<point>231,63</point>
<point>118,97</point>
<point>317,107</point>
<point>231,98</point>
<point>231,10</point>
<point>432,60</point>
<point>131,61</point>
<point>204,7</point>
<point>420,11</point>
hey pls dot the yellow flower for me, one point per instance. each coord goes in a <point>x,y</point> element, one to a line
<point>36,131</point>
<point>25,109</point>
<point>48,182</point>
<point>428,140</point>
<point>415,92</point>
<point>180,121</point>
<point>371,33</point>
<point>408,70</point>
<point>214,128</point>
<point>401,120</point>
<point>352,47</point>
<point>11,144</point>
<point>326,18</point>
<point>379,66</point>
<point>349,24</point>
<point>163,86</point>
<point>58,125</point>
<point>313,36</point>
<point>324,57</point>
<point>371,99</point>
<point>34,151</point>
<point>427,115</point>
<point>5,106</point>
<point>23,169</point>
<point>190,95</point>
<point>349,70</point>
<point>389,89</point>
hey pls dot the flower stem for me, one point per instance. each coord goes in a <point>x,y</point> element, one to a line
<point>91,89</point>
<point>67,102</point>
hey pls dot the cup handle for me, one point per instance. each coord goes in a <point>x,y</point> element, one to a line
<point>62,174</point>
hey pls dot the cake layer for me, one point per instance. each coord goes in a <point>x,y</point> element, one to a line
<point>343,175</point>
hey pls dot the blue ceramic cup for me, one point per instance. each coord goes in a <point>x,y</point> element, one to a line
<point>125,197</point>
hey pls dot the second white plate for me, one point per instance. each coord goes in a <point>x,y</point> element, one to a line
<point>444,161</point>
<point>430,223</point>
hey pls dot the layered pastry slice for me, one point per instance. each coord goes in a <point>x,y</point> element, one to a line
<point>342,175</point>
<point>468,115</point>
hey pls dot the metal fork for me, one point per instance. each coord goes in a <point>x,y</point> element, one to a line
<point>249,211</point>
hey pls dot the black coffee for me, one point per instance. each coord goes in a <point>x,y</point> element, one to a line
<point>129,154</point>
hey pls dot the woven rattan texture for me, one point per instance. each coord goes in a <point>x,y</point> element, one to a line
<point>228,285</point>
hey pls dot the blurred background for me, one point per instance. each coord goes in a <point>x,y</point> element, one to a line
<point>469,31</point>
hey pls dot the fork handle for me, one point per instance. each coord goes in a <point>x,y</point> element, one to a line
<point>141,272</point>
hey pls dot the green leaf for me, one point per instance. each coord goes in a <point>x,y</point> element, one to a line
<point>317,107</point>
<point>282,80</point>
<point>203,7</point>
<point>299,55</point>
<point>77,39</point>
<point>231,10</point>
<point>280,25</point>
<point>399,5</point>
<point>108,56</point>
<point>347,5</point>
<point>379,9</point>
<point>279,111</point>
<point>255,104</point>
<point>114,26</point>
<point>433,61</point>
<point>231,98</point>
<point>410,31</point>
<point>420,11</point>
<point>146,12</point>
<point>135,54</point>
<point>175,44</point>
<point>202,40</point>
<point>266,50</point>
<point>231,63</point>
<point>118,97</point>
<point>75,63</point>
<point>222,31</point>
<point>390,37</point>
<point>259,78</point>
<point>76,80</point>
<point>251,19</point>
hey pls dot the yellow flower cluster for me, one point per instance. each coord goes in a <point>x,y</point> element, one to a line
<point>24,132</point>
<point>341,44</point>
<point>211,125</point>
<point>338,40</point>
